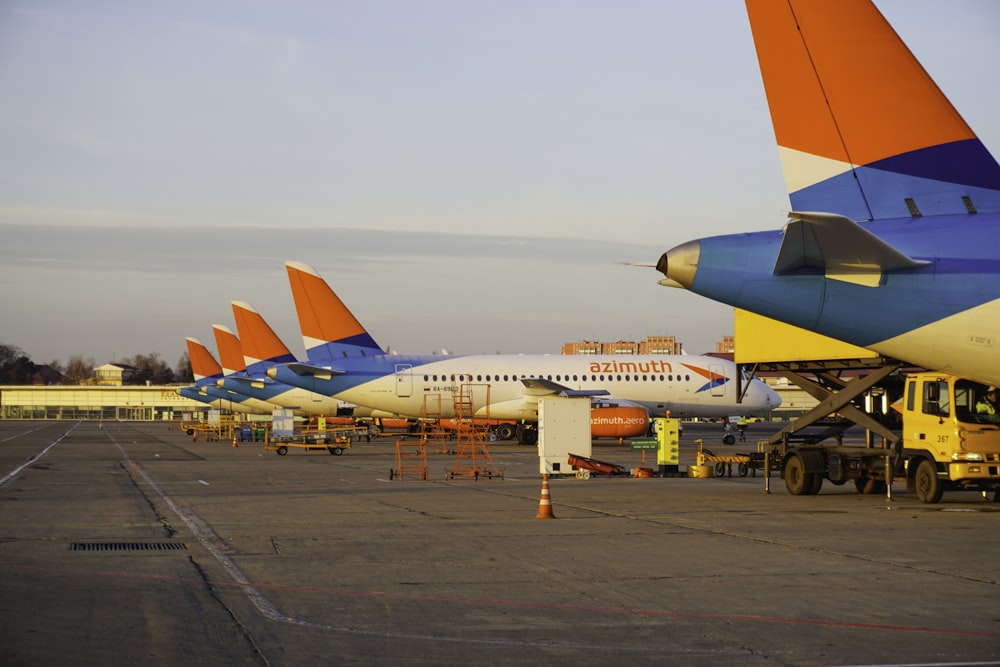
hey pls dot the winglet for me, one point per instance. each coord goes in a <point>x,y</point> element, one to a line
<point>329,329</point>
<point>205,368</point>
<point>841,247</point>
<point>230,350</point>
<point>261,346</point>
<point>862,129</point>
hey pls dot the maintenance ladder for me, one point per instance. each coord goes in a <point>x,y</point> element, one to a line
<point>472,452</point>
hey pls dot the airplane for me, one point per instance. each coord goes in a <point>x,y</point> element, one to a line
<point>257,347</point>
<point>345,361</point>
<point>894,236</point>
<point>206,372</point>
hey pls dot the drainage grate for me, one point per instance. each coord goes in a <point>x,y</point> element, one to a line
<point>127,546</point>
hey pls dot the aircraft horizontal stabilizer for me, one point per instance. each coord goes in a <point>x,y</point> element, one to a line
<point>319,372</point>
<point>257,382</point>
<point>843,248</point>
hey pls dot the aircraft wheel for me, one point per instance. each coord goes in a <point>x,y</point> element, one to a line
<point>506,432</point>
<point>282,450</point>
<point>586,474</point>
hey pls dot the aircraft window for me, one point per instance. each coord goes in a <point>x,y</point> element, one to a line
<point>670,378</point>
<point>602,378</point>
<point>687,378</point>
<point>504,378</point>
<point>479,378</point>
<point>425,378</point>
<point>627,378</point>
<point>574,378</point>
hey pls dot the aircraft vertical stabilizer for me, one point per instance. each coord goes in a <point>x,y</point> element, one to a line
<point>205,368</point>
<point>261,346</point>
<point>862,130</point>
<point>329,329</point>
<point>230,350</point>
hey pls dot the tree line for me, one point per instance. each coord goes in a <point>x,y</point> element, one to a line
<point>17,368</point>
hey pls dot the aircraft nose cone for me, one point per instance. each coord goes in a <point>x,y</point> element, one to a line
<point>680,264</point>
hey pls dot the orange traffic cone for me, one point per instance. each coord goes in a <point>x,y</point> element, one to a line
<point>545,503</point>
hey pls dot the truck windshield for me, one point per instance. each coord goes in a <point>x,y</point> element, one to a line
<point>971,403</point>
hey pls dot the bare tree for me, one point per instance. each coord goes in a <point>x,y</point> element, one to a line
<point>15,366</point>
<point>184,372</point>
<point>79,370</point>
<point>149,368</point>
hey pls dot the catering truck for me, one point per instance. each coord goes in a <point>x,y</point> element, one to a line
<point>944,443</point>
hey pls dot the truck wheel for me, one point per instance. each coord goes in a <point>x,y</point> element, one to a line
<point>797,481</point>
<point>929,487</point>
<point>869,485</point>
<point>720,469</point>
<point>729,440</point>
<point>282,450</point>
<point>817,483</point>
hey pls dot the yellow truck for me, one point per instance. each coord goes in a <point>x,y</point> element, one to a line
<point>945,443</point>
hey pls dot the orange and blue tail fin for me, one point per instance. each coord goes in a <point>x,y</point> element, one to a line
<point>862,129</point>
<point>329,329</point>
<point>230,350</point>
<point>261,346</point>
<point>204,367</point>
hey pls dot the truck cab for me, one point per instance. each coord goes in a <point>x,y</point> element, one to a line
<point>946,441</point>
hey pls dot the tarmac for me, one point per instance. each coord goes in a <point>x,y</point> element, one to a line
<point>125,542</point>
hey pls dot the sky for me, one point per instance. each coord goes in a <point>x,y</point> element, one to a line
<point>466,175</point>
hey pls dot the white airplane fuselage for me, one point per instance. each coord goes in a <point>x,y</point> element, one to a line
<point>508,387</point>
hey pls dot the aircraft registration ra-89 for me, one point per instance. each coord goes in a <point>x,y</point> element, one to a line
<point>344,361</point>
<point>894,242</point>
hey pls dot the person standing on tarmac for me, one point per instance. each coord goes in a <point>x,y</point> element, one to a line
<point>741,426</point>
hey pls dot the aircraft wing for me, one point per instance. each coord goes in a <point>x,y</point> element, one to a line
<point>843,248</point>
<point>541,387</point>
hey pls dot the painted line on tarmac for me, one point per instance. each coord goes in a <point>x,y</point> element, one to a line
<point>35,458</point>
<point>31,430</point>
<point>522,604</point>
<point>216,546</point>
